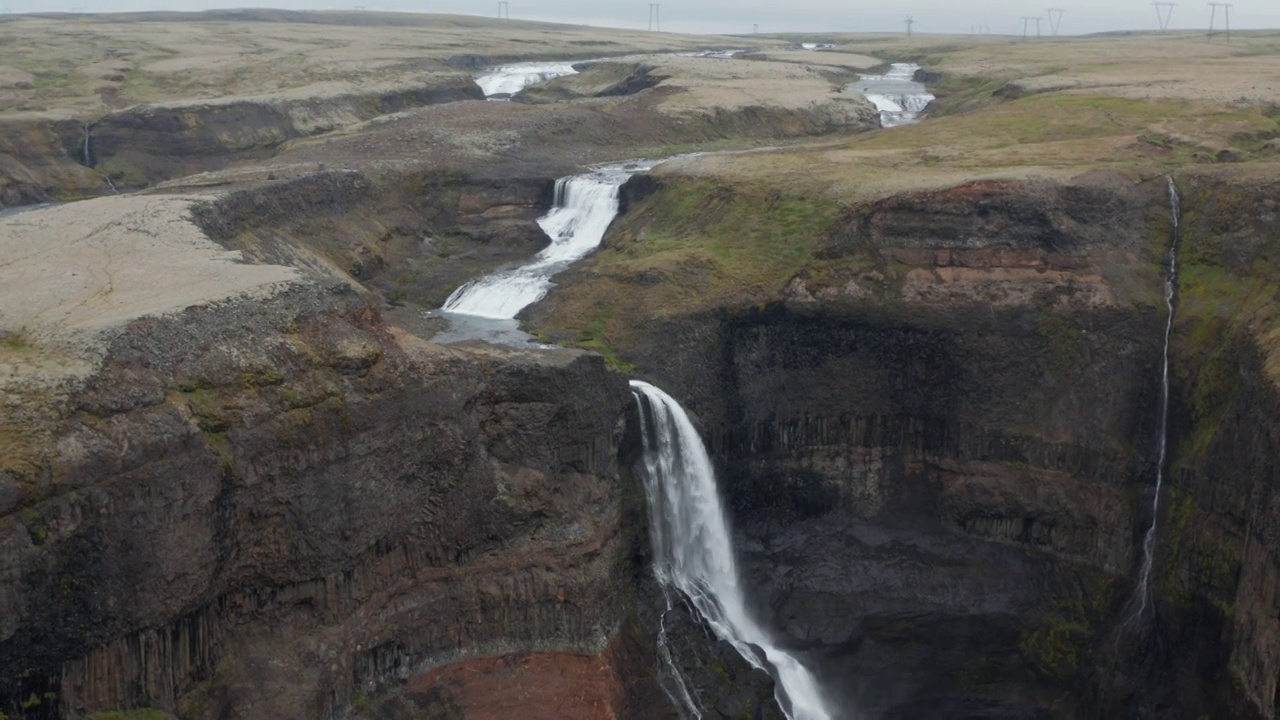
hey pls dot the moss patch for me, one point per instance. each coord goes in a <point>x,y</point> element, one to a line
<point>1061,649</point>
<point>14,342</point>
<point>692,246</point>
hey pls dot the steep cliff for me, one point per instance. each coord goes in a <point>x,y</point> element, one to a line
<point>933,413</point>
<point>273,503</point>
<point>1218,560</point>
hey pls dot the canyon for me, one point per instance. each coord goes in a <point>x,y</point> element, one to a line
<point>247,469</point>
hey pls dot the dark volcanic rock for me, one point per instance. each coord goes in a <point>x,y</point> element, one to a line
<point>259,509</point>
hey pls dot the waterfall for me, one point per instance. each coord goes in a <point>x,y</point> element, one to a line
<point>693,550</point>
<point>88,157</point>
<point>88,147</point>
<point>585,206</point>
<point>511,79</point>
<point>1162,442</point>
<point>896,94</point>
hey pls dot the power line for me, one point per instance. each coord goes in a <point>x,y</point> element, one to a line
<point>504,10</point>
<point>1026,23</point>
<point>909,21</point>
<point>1055,19</point>
<point>655,17</point>
<point>1164,13</point>
<point>1213,15</point>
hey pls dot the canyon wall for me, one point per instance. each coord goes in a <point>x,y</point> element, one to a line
<point>271,508</point>
<point>936,437</point>
<point>145,144</point>
<point>938,440</point>
<point>413,234</point>
<point>43,159</point>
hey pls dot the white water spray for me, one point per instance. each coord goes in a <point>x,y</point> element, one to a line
<point>1170,298</point>
<point>585,206</point>
<point>511,79</point>
<point>896,94</point>
<point>674,683</point>
<point>693,550</point>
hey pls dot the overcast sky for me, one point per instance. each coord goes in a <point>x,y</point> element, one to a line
<point>737,16</point>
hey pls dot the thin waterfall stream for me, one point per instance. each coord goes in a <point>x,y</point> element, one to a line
<point>88,157</point>
<point>1162,442</point>
<point>693,552</point>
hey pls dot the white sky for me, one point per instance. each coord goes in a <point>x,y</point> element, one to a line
<point>737,16</point>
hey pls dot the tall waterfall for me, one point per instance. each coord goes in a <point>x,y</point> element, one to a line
<point>585,205</point>
<point>693,550</point>
<point>1162,447</point>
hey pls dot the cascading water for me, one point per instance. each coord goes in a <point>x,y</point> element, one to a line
<point>693,550</point>
<point>585,205</point>
<point>673,682</point>
<point>1162,442</point>
<point>896,94</point>
<point>511,79</point>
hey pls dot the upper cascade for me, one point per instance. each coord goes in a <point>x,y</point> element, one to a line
<point>585,206</point>
<point>508,80</point>
<point>693,548</point>
<point>896,94</point>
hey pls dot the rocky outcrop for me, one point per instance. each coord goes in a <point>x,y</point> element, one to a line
<point>414,235</point>
<point>600,79</point>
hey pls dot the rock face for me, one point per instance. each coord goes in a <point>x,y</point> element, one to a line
<point>271,506</point>
<point>1217,566</point>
